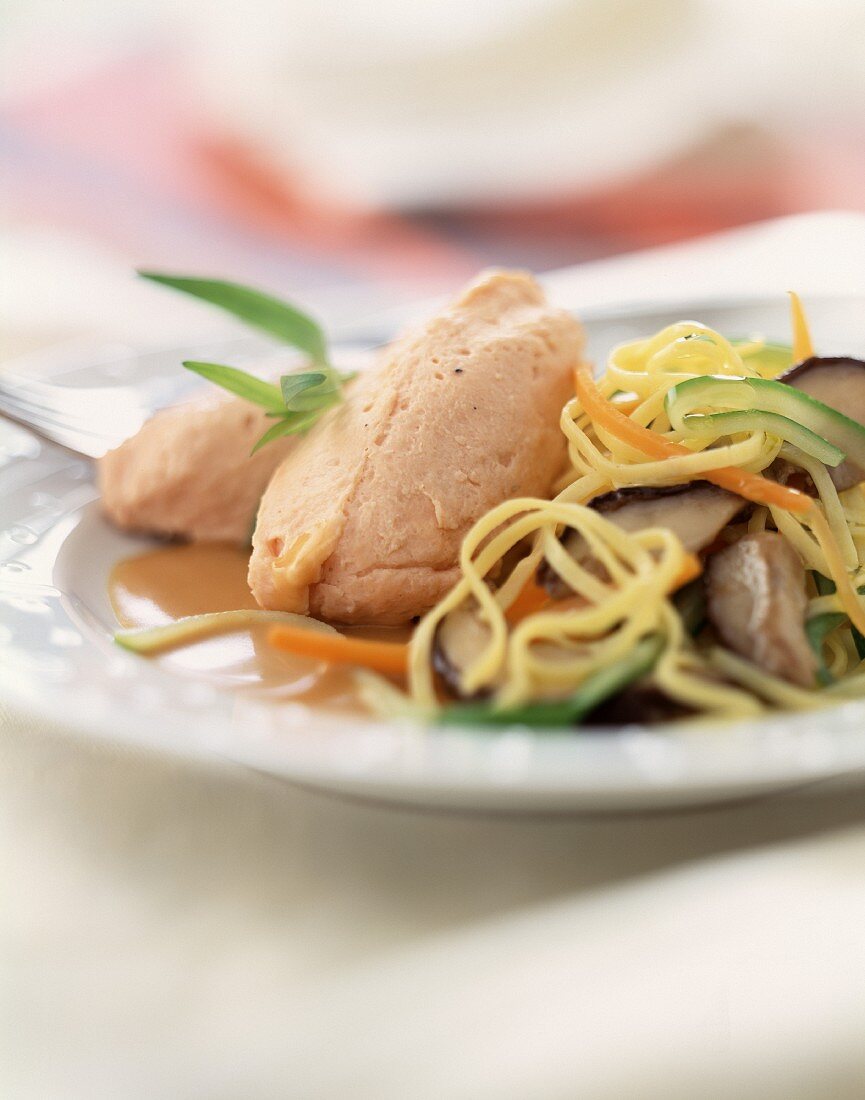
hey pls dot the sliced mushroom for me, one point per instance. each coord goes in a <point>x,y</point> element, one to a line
<point>838,382</point>
<point>756,601</point>
<point>642,703</point>
<point>697,512</point>
<point>459,639</point>
<point>785,473</point>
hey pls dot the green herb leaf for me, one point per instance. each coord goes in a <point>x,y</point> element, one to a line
<point>301,394</point>
<point>564,712</point>
<point>300,398</point>
<point>818,630</point>
<point>288,425</point>
<point>293,385</point>
<point>322,390</point>
<point>259,392</point>
<point>262,311</point>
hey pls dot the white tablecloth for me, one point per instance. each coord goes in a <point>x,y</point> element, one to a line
<point>170,931</point>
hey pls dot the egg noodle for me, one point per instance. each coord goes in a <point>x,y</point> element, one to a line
<point>629,595</point>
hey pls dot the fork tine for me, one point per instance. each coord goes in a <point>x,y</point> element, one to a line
<point>44,419</point>
<point>60,415</point>
<point>69,403</point>
<point>69,440</point>
<point>78,399</point>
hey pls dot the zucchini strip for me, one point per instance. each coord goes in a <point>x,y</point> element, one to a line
<point>565,712</point>
<point>761,395</point>
<point>151,640</point>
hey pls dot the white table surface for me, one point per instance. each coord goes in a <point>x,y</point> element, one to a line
<point>170,931</point>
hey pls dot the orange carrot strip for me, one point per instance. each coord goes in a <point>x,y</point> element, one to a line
<point>532,598</point>
<point>692,567</point>
<point>802,346</point>
<point>390,658</point>
<point>753,487</point>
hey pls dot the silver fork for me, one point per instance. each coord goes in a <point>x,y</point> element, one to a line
<point>89,401</point>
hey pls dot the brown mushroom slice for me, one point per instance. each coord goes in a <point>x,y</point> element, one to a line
<point>460,638</point>
<point>697,512</point>
<point>839,382</point>
<point>756,601</point>
<point>642,703</point>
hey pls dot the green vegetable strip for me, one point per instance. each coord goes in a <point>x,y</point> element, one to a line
<point>761,395</point>
<point>196,628</point>
<point>818,630</point>
<point>826,587</point>
<point>565,712</point>
<point>769,358</point>
<point>262,311</point>
<point>728,423</point>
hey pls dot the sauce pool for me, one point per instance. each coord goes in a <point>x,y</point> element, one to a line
<point>170,582</point>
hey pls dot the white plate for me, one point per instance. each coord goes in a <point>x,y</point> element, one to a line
<point>57,658</point>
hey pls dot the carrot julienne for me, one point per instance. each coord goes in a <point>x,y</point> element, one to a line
<point>692,567</point>
<point>390,658</point>
<point>802,346</point>
<point>532,598</point>
<point>753,487</point>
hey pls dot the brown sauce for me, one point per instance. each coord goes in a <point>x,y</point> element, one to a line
<point>168,583</point>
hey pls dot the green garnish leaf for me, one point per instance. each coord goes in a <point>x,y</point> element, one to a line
<point>313,389</point>
<point>295,404</point>
<point>259,392</point>
<point>262,311</point>
<point>293,424</point>
<point>564,712</point>
<point>293,385</point>
<point>300,398</point>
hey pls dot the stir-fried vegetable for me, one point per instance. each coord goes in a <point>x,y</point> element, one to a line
<point>817,630</point>
<point>564,712</point>
<point>390,658</point>
<point>767,358</point>
<point>762,404</point>
<point>151,640</point>
<point>753,487</point>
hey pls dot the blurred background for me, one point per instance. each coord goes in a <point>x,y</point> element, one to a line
<point>357,155</point>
